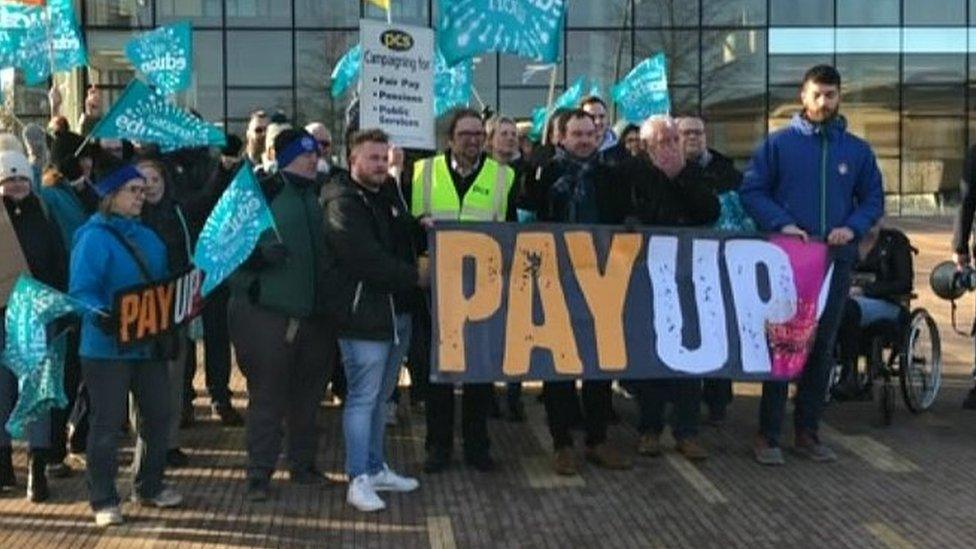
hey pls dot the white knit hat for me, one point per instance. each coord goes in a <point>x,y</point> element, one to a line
<point>15,164</point>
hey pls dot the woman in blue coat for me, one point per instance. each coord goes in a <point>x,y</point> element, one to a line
<point>111,252</point>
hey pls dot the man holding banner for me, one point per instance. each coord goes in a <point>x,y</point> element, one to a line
<point>464,184</point>
<point>277,321</point>
<point>813,179</point>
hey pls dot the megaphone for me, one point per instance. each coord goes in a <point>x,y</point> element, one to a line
<point>950,282</point>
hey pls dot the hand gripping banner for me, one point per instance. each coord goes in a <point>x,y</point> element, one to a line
<point>515,302</point>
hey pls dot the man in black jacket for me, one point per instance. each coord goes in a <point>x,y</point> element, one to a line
<point>574,187</point>
<point>671,192</point>
<point>369,234</point>
<point>720,175</point>
<point>961,236</point>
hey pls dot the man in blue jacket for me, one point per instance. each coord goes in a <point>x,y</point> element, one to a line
<point>813,179</point>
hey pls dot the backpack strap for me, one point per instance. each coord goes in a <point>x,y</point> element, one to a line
<point>137,256</point>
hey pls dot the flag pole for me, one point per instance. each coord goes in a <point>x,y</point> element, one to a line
<point>50,38</point>
<point>549,100</point>
<point>477,97</point>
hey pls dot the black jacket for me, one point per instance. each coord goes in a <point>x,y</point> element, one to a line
<point>890,261</point>
<point>967,206</point>
<point>164,219</point>
<point>40,241</point>
<point>720,174</point>
<point>612,195</point>
<point>683,201</point>
<point>369,237</point>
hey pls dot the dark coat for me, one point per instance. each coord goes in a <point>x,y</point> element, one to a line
<point>683,201</point>
<point>890,261</point>
<point>611,193</point>
<point>40,241</point>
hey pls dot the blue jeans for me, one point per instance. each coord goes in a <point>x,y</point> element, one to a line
<point>811,389</point>
<point>874,310</point>
<point>372,369</point>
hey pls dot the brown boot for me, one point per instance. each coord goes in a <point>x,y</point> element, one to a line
<point>564,462</point>
<point>649,445</point>
<point>608,457</point>
<point>691,449</point>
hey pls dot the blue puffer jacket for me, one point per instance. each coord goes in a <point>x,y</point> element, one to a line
<point>101,266</point>
<point>818,177</point>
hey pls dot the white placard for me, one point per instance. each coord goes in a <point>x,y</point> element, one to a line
<point>397,82</point>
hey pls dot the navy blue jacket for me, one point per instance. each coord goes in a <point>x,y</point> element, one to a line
<point>818,177</point>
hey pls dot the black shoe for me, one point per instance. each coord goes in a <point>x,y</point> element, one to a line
<point>307,476</point>
<point>716,416</point>
<point>516,412</point>
<point>227,414</point>
<point>58,469</point>
<point>438,460</point>
<point>36,478</point>
<point>481,462</point>
<point>176,458</point>
<point>187,417</point>
<point>494,410</point>
<point>258,489</point>
<point>7,478</point>
<point>970,402</point>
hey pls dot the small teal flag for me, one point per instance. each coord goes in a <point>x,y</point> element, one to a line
<point>40,389</point>
<point>468,28</point>
<point>164,56</point>
<point>33,46</point>
<point>346,71</point>
<point>452,84</point>
<point>233,229</point>
<point>146,116</point>
<point>569,99</point>
<point>644,91</point>
<point>30,308</point>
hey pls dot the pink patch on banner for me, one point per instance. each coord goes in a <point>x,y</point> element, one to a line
<point>790,342</point>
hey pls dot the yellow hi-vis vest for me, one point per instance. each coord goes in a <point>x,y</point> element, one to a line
<point>434,193</point>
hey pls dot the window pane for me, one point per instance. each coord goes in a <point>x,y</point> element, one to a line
<point>337,13</point>
<point>784,102</point>
<point>788,70</point>
<point>258,13</point>
<point>318,52</point>
<point>519,102</point>
<point>604,56</point>
<point>934,12</point>
<point>868,12</point>
<point>120,13</point>
<point>206,93</point>
<point>808,12</point>
<point>666,13</point>
<point>241,103</point>
<point>933,138</point>
<point>199,12</point>
<point>107,64</point>
<point>512,71</point>
<point>605,13</point>
<point>259,58</point>
<point>413,12</point>
<point>935,55</point>
<point>737,57</point>
<point>742,13</point>
<point>680,47</point>
<point>735,119</point>
<point>684,101</point>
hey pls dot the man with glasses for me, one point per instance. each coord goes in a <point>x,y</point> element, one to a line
<point>463,183</point>
<point>256,129</point>
<point>326,168</point>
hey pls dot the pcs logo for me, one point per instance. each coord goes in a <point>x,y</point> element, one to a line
<point>397,40</point>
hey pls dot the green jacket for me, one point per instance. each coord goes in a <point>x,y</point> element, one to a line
<point>293,288</point>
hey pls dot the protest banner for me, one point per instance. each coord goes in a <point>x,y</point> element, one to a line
<point>516,302</point>
<point>39,39</point>
<point>397,75</point>
<point>149,311</point>
<point>40,389</point>
<point>32,306</point>
<point>526,28</point>
<point>164,56</point>
<point>644,91</point>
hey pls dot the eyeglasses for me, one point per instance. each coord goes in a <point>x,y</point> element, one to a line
<point>324,144</point>
<point>135,189</point>
<point>470,135</point>
<point>692,132</point>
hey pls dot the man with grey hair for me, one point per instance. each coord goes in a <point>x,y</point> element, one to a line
<point>671,192</point>
<point>326,168</point>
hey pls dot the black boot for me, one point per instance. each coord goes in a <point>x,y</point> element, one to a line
<point>7,479</point>
<point>36,477</point>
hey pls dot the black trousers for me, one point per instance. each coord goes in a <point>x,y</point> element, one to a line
<point>418,358</point>
<point>475,401</point>
<point>216,345</point>
<point>562,410</point>
<point>72,380</point>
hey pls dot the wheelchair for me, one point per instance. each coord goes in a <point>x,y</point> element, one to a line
<point>908,349</point>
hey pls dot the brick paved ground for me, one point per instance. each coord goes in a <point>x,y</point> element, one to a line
<point>911,484</point>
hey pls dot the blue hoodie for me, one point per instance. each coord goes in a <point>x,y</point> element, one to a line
<point>818,177</point>
<point>100,267</point>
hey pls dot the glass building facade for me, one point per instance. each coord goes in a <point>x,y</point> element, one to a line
<point>908,66</point>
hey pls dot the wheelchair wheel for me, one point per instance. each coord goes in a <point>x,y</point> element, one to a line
<point>920,363</point>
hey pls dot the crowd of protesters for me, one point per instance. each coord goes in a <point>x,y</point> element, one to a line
<point>338,293</point>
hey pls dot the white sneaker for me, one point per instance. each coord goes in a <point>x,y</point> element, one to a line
<point>362,496</point>
<point>391,414</point>
<point>166,498</point>
<point>388,481</point>
<point>108,516</point>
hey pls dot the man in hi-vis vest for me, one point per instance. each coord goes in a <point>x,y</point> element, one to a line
<point>462,183</point>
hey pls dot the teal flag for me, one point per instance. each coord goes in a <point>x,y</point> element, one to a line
<point>531,29</point>
<point>346,71</point>
<point>644,91</point>
<point>569,99</point>
<point>233,229</point>
<point>146,116</point>
<point>30,308</point>
<point>40,389</point>
<point>164,56</point>
<point>452,84</point>
<point>32,54</point>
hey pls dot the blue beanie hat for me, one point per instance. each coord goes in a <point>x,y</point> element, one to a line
<point>116,179</point>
